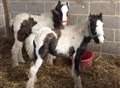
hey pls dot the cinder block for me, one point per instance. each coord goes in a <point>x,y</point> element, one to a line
<point>18,7</point>
<point>100,0</point>
<point>52,0</point>
<point>56,0</point>
<point>111,22</point>
<point>117,35</point>
<point>117,8</point>
<point>13,14</point>
<point>76,8</point>
<point>105,8</point>
<point>35,8</point>
<point>0,1</point>
<point>26,0</point>
<point>81,19</point>
<point>49,6</point>
<point>72,19</point>
<point>109,34</point>
<point>110,47</point>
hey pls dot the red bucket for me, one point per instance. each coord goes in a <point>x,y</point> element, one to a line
<point>87,59</point>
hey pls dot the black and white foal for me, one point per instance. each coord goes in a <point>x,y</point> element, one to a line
<point>24,24</point>
<point>71,43</point>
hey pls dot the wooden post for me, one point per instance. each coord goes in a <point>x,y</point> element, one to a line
<point>6,15</point>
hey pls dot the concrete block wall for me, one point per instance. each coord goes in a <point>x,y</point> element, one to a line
<point>109,8</point>
<point>111,18</point>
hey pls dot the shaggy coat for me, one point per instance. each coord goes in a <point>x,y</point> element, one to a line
<point>72,43</point>
<point>24,24</point>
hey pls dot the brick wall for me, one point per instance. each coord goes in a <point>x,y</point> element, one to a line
<point>110,10</point>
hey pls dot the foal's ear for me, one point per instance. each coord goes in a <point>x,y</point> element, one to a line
<point>90,16</point>
<point>100,15</point>
<point>58,4</point>
<point>67,3</point>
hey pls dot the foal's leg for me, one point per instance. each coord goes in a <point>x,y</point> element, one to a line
<point>76,77</point>
<point>52,54</point>
<point>76,68</point>
<point>50,59</point>
<point>14,54</point>
<point>40,51</point>
<point>34,69</point>
<point>75,74</point>
<point>17,53</point>
<point>20,55</point>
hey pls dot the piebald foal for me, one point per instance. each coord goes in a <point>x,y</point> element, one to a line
<point>24,24</point>
<point>72,43</point>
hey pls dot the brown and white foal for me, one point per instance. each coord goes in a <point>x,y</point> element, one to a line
<point>72,42</point>
<point>24,24</point>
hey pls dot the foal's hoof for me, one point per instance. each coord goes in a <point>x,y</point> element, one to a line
<point>78,86</point>
<point>78,83</point>
<point>50,62</point>
<point>50,59</point>
<point>30,83</point>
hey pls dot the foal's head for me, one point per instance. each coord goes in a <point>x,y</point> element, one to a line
<point>96,28</point>
<point>60,14</point>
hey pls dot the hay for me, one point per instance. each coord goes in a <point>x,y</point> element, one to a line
<point>105,73</point>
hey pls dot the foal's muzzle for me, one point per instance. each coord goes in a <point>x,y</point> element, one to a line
<point>64,23</point>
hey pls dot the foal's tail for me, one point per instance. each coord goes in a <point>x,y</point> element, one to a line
<point>29,45</point>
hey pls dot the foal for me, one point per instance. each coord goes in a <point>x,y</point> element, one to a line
<point>71,43</point>
<point>23,26</point>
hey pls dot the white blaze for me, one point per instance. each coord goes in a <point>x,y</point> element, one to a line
<point>100,31</point>
<point>64,10</point>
